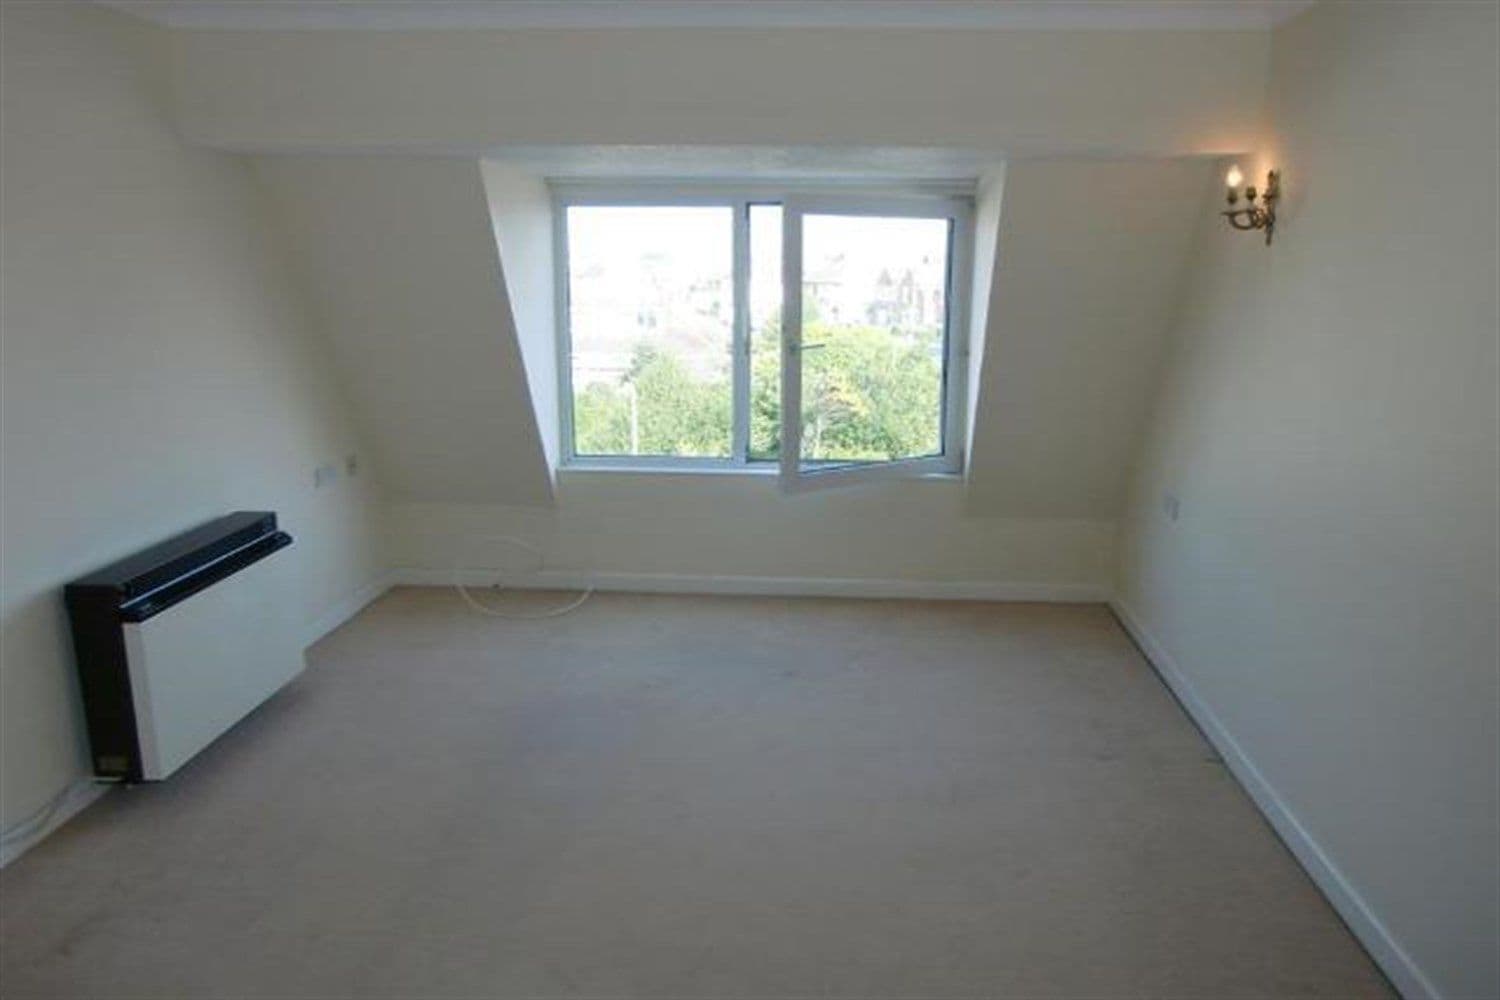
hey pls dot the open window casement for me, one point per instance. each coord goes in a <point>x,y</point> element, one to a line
<point>872,355</point>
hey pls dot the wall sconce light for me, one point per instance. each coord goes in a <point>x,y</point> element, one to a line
<point>1252,216</point>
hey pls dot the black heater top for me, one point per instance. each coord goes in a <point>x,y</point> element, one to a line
<point>154,579</point>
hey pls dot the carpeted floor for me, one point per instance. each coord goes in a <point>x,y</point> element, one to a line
<point>689,797</point>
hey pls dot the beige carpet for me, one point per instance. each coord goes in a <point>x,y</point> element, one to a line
<point>689,797</point>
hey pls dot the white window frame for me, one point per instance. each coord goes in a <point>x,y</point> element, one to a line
<point>943,200</point>
<point>797,476</point>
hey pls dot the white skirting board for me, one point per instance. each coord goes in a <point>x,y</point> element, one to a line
<point>1393,960</point>
<point>346,609</point>
<point>771,586</point>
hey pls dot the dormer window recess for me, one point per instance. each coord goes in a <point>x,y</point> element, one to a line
<point>818,335</point>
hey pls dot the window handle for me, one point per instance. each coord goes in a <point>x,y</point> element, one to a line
<point>798,348</point>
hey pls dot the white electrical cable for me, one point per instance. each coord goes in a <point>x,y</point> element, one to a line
<point>39,820</point>
<point>541,562</point>
<point>29,826</point>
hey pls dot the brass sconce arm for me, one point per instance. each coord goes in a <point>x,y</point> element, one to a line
<point>1253,216</point>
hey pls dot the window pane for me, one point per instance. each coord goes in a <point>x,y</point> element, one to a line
<point>874,317</point>
<point>650,312</point>
<point>765,332</point>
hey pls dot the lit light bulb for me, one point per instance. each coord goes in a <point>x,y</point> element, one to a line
<point>1234,178</point>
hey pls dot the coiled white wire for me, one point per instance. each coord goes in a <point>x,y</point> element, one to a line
<point>541,562</point>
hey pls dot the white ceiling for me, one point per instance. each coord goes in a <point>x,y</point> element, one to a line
<point>957,14</point>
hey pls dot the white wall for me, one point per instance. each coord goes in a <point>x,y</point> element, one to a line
<point>438,368</point>
<point>728,530</point>
<point>399,255</point>
<point>989,200</point>
<point>157,368</point>
<point>520,210</point>
<point>1023,92</point>
<point>445,324</point>
<point>1091,257</point>
<point>1329,424</point>
<point>446,329</point>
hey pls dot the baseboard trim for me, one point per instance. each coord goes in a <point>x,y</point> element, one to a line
<point>64,806</point>
<point>769,586</point>
<point>1394,961</point>
<point>346,609</point>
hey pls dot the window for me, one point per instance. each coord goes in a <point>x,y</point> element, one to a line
<point>819,335</point>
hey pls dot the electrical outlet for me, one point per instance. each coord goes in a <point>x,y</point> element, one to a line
<point>1171,506</point>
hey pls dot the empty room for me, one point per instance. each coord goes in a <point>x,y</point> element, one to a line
<point>749,499</point>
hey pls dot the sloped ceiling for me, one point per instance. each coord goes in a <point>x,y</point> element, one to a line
<point>1090,258</point>
<point>400,263</point>
<point>399,240</point>
<point>401,259</point>
<point>1107,136</point>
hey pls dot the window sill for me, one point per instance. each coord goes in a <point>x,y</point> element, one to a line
<point>605,467</point>
<point>759,471</point>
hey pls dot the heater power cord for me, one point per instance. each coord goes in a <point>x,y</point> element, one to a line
<point>460,572</point>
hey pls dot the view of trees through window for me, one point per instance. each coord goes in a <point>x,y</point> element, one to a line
<point>874,296</point>
<point>651,303</point>
<point>651,320</point>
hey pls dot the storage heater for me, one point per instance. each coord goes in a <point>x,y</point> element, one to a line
<point>177,643</point>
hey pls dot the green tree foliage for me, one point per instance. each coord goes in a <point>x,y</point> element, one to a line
<point>869,394</point>
<point>673,412</point>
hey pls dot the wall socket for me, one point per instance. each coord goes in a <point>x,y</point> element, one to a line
<point>1171,506</point>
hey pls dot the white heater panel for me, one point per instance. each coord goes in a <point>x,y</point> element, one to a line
<point>201,665</point>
